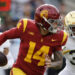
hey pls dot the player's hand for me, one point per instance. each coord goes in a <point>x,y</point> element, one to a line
<point>47,61</point>
<point>6,50</point>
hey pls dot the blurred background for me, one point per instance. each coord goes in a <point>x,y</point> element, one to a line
<point>17,9</point>
<point>13,10</point>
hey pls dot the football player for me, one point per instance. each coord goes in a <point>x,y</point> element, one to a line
<point>4,48</point>
<point>39,38</point>
<point>69,49</point>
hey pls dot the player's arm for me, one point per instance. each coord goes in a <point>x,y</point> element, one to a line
<point>55,63</point>
<point>14,32</point>
<point>58,60</point>
<point>65,51</point>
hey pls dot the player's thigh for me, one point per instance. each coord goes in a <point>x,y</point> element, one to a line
<point>17,71</point>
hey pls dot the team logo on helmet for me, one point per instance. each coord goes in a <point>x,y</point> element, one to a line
<point>44,13</point>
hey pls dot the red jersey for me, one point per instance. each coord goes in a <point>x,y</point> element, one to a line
<point>33,46</point>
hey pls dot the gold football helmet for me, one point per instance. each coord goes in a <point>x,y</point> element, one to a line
<point>70,23</point>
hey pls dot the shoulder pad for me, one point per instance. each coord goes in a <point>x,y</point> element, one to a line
<point>22,24</point>
<point>64,39</point>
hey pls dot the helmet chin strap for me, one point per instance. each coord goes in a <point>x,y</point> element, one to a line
<point>54,31</point>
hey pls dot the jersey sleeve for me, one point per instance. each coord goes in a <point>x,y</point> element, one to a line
<point>15,32</point>
<point>22,24</point>
<point>64,39</point>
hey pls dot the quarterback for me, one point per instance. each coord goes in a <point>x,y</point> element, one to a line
<point>69,49</point>
<point>39,37</point>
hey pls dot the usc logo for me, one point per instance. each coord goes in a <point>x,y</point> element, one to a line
<point>44,13</point>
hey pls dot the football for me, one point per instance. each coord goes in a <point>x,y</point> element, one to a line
<point>3,59</point>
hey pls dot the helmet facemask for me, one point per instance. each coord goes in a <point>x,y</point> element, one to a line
<point>71,30</point>
<point>52,25</point>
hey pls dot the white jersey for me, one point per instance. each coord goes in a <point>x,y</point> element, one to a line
<point>70,58</point>
<point>14,47</point>
<point>5,44</point>
<point>10,62</point>
<point>9,56</point>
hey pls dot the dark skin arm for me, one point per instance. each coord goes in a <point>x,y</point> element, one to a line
<point>55,63</point>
